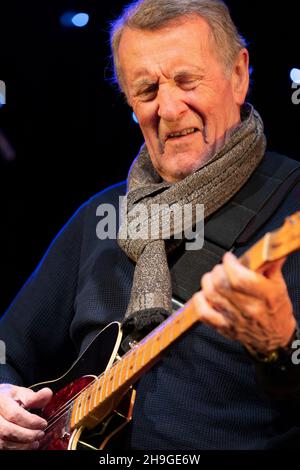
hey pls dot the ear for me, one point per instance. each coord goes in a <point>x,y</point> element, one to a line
<point>240,77</point>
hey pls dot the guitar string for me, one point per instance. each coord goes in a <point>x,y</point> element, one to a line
<point>64,409</point>
<point>67,406</point>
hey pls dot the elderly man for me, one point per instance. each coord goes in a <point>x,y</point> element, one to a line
<point>230,382</point>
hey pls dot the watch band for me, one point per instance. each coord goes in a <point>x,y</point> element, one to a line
<point>280,355</point>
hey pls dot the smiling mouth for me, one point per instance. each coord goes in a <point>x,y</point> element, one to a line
<point>184,133</point>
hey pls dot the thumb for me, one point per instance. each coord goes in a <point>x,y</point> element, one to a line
<point>31,399</point>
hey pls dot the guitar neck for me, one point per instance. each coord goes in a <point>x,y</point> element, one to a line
<point>99,398</point>
<point>101,394</point>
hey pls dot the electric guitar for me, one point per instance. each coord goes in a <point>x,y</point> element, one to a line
<point>94,399</point>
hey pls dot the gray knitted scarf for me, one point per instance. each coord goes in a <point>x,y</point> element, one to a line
<point>212,185</point>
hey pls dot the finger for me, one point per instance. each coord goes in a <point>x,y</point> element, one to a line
<point>250,308</point>
<point>16,414</point>
<point>242,279</point>
<point>271,291</point>
<point>207,314</point>
<point>32,399</point>
<point>236,302</point>
<point>12,432</point>
<point>217,301</point>
<point>212,318</point>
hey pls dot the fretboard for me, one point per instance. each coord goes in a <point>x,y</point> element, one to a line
<point>101,393</point>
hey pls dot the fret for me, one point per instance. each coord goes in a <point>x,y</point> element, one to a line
<point>75,410</point>
<point>108,379</point>
<point>158,344</point>
<point>256,256</point>
<point>93,394</point>
<point>98,391</point>
<point>111,379</point>
<point>143,348</point>
<point>81,406</point>
<point>121,373</point>
<point>135,360</point>
<point>127,368</point>
<point>177,326</point>
<point>183,324</point>
<point>116,370</point>
<point>151,342</point>
<point>165,336</point>
<point>88,400</point>
<point>161,343</point>
<point>102,387</point>
<point>170,329</point>
<point>130,370</point>
<point>138,362</point>
<point>132,363</point>
<point>149,351</point>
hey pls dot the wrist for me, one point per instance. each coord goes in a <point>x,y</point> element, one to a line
<point>280,355</point>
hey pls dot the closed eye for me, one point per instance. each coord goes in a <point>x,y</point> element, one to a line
<point>148,93</point>
<point>188,82</point>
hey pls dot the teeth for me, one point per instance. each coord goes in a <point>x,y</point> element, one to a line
<point>185,132</point>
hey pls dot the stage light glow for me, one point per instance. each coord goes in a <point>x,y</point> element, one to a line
<point>71,18</point>
<point>2,100</point>
<point>80,19</point>
<point>2,93</point>
<point>295,75</point>
<point>134,118</point>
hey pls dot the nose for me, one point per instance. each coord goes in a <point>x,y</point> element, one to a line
<point>171,105</point>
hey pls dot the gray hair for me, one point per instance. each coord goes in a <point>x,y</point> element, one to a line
<point>155,14</point>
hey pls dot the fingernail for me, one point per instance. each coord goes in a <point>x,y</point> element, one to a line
<point>36,445</point>
<point>40,435</point>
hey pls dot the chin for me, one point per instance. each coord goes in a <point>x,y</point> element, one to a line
<point>175,168</point>
<point>176,175</point>
<point>173,175</point>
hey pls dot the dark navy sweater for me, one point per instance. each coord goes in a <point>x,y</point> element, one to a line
<point>203,394</point>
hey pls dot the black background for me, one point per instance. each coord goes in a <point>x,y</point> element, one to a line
<point>74,134</point>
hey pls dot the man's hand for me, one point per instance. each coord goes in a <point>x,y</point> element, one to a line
<point>253,308</point>
<point>20,429</point>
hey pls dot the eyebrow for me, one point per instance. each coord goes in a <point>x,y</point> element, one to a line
<point>187,73</point>
<point>144,83</point>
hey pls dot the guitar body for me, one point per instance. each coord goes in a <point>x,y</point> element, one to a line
<point>98,357</point>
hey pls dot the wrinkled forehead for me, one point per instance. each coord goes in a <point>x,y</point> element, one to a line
<point>179,24</point>
<point>187,39</point>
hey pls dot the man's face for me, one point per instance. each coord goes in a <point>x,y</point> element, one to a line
<point>184,101</point>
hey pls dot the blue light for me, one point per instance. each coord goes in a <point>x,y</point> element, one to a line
<point>2,100</point>
<point>135,118</point>
<point>2,93</point>
<point>295,75</point>
<point>80,19</point>
<point>70,19</point>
